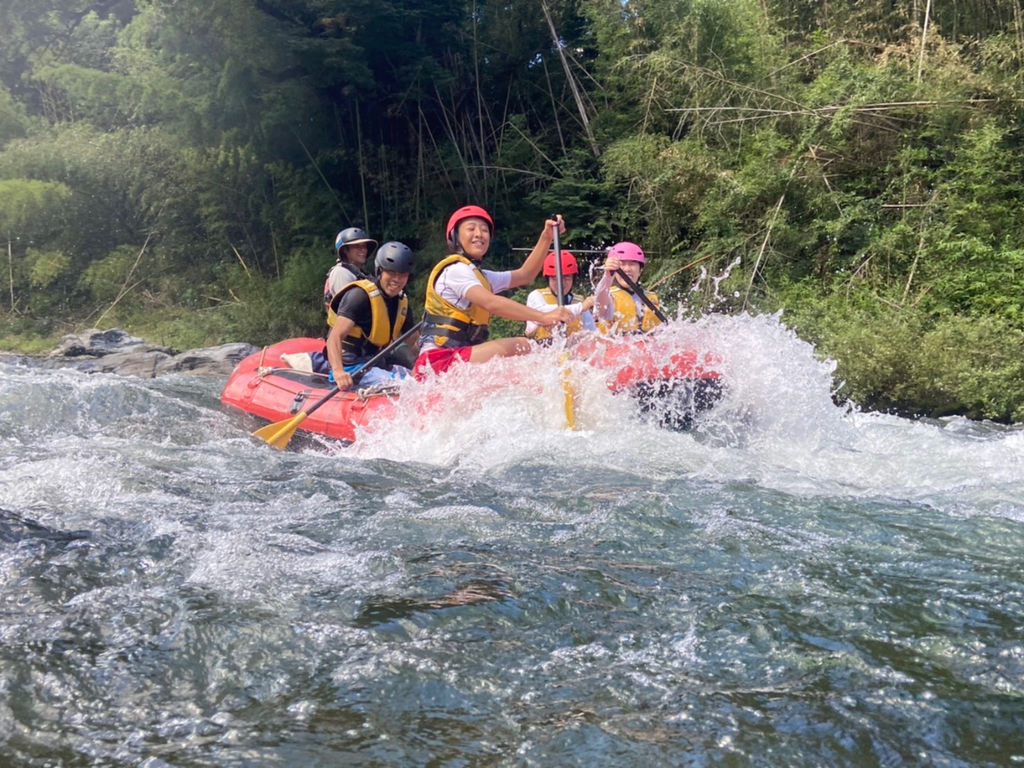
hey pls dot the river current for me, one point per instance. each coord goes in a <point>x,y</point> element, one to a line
<point>791,583</point>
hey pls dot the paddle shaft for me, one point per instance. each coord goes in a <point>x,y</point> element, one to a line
<point>643,296</point>
<point>280,432</point>
<point>365,367</point>
<point>569,398</point>
<point>558,263</point>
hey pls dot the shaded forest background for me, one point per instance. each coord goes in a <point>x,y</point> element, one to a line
<point>179,168</point>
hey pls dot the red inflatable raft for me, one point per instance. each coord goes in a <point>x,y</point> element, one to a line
<point>264,385</point>
<point>670,386</point>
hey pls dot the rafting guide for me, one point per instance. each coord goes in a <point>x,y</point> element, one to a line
<point>352,247</point>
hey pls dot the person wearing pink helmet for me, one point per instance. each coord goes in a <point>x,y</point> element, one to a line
<point>461,296</point>
<point>618,309</point>
<point>545,299</point>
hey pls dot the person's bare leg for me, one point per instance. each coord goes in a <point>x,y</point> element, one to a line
<point>511,347</point>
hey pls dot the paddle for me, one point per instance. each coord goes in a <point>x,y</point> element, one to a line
<point>280,433</point>
<point>569,403</point>
<point>643,296</point>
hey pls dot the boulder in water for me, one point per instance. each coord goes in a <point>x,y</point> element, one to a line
<point>115,351</point>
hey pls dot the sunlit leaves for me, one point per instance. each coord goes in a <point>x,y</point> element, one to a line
<point>29,208</point>
<point>46,267</point>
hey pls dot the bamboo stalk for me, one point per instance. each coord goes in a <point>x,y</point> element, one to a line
<point>764,246</point>
<point>320,173</point>
<point>1018,20</point>
<point>242,261</point>
<point>453,136</point>
<point>683,268</point>
<point>476,84</point>
<point>571,80</point>
<point>125,288</point>
<point>362,165</point>
<point>10,270</point>
<point>924,36</point>
<point>554,106</point>
<point>913,266</point>
<point>833,108</point>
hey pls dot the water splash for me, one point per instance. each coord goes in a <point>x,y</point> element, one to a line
<point>779,424</point>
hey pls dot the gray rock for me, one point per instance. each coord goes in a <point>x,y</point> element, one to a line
<point>115,351</point>
<point>214,360</point>
<point>139,361</point>
<point>97,343</point>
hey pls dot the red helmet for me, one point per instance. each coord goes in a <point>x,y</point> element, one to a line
<point>569,266</point>
<point>627,251</point>
<point>466,212</point>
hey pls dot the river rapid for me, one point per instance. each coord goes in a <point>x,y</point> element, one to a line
<point>792,582</point>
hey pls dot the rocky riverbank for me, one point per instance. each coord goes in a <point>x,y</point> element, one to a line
<point>115,351</point>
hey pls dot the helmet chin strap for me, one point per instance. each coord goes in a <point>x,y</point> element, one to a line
<point>462,252</point>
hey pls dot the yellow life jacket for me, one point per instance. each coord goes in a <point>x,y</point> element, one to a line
<point>626,319</point>
<point>357,344</point>
<point>446,324</point>
<point>540,332</point>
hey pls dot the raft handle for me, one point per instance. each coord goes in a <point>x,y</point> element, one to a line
<point>298,400</point>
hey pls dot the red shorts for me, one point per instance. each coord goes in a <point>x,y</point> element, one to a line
<point>439,360</point>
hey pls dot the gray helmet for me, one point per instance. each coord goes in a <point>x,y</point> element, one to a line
<point>394,257</point>
<point>352,236</point>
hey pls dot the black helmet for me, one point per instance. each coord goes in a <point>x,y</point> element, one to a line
<point>394,257</point>
<point>352,236</point>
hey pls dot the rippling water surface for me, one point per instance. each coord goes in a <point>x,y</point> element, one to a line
<point>791,583</point>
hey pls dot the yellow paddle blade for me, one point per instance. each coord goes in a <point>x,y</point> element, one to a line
<point>280,433</point>
<point>569,395</point>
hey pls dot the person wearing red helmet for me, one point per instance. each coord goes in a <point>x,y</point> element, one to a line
<point>461,296</point>
<point>546,298</point>
<point>618,309</point>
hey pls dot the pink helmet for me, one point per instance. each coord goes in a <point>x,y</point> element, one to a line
<point>626,251</point>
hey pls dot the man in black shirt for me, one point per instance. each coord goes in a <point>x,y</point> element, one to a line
<point>370,315</point>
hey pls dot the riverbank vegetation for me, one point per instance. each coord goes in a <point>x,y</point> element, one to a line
<point>179,169</point>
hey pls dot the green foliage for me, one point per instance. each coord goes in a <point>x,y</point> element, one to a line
<point>267,310</point>
<point>29,212</point>
<point>46,267</point>
<point>905,361</point>
<point>26,336</point>
<point>13,120</point>
<point>94,95</point>
<point>106,278</point>
<point>982,183</point>
<point>503,328</point>
<point>976,279</point>
<point>28,208</point>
